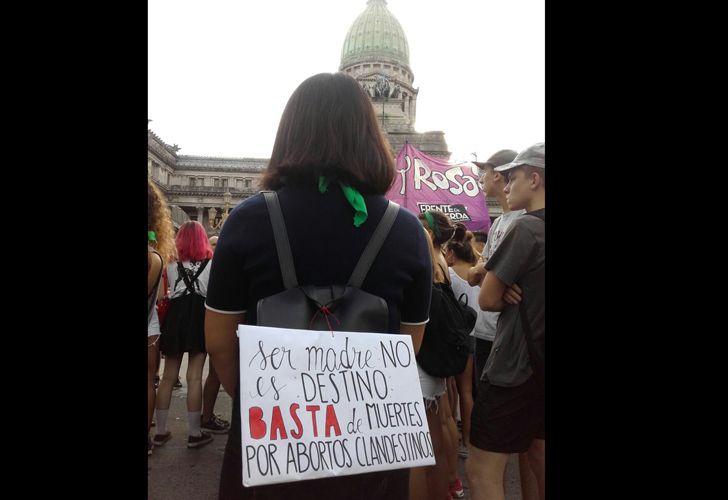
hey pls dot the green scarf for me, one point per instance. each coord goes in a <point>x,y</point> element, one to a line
<point>354,197</point>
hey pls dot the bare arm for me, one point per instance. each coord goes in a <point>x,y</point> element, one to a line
<point>162,288</point>
<point>221,342</point>
<point>476,274</point>
<point>491,293</point>
<point>154,262</point>
<point>417,332</point>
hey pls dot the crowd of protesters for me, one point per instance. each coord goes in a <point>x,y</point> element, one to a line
<point>329,136</point>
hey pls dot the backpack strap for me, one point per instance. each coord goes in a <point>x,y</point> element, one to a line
<point>283,246</point>
<point>374,245</point>
<point>161,273</point>
<point>166,282</point>
<point>183,273</point>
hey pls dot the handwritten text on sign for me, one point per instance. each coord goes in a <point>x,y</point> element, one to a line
<point>315,405</point>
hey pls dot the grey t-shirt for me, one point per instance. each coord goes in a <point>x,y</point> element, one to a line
<point>520,259</point>
<point>487,320</point>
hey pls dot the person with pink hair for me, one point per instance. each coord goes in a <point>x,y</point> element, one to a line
<point>183,331</point>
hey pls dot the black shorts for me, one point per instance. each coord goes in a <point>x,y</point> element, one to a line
<point>507,419</point>
<point>482,351</point>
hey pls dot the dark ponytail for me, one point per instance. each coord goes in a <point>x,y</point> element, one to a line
<point>461,244</point>
<point>439,224</point>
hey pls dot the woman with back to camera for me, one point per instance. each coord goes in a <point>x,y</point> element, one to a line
<point>160,243</point>
<point>330,167</point>
<point>183,331</point>
<point>441,230</point>
<point>460,256</point>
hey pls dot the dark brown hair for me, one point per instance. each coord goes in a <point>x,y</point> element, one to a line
<point>445,229</point>
<point>480,236</point>
<point>329,128</point>
<point>461,244</point>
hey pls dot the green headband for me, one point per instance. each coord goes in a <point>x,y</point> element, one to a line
<point>431,223</point>
<point>151,236</point>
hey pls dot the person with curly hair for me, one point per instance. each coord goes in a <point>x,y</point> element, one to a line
<point>160,250</point>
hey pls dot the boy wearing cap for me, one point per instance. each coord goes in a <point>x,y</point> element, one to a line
<point>508,416</point>
<point>493,185</point>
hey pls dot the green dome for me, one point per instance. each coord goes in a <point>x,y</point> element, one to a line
<point>376,35</point>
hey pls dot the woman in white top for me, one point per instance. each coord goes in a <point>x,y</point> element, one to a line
<point>161,249</point>
<point>460,256</point>
<point>183,330</point>
<point>440,230</point>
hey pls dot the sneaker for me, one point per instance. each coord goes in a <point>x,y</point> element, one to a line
<point>160,439</point>
<point>463,451</point>
<point>177,384</point>
<point>456,489</point>
<point>215,425</point>
<point>149,446</point>
<point>198,441</point>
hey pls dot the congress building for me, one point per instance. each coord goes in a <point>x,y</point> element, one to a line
<point>375,52</point>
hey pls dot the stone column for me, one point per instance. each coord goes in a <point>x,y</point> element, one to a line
<point>200,211</point>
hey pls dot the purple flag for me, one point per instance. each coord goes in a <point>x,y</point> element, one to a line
<point>426,183</point>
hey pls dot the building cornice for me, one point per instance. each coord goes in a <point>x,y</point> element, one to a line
<point>167,153</point>
<point>170,149</point>
<point>212,163</point>
<point>374,58</point>
<point>213,191</point>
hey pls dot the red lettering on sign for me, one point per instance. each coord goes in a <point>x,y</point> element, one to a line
<point>299,428</point>
<point>257,426</point>
<point>312,409</point>
<point>332,421</point>
<point>276,424</point>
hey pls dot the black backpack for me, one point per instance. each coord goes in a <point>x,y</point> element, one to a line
<point>446,344</point>
<point>333,307</point>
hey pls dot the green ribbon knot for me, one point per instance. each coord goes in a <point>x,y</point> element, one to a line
<point>354,197</point>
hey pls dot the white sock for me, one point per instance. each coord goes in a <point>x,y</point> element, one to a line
<point>193,423</point>
<point>162,421</point>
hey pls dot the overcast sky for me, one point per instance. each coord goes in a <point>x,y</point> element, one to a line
<point>221,71</point>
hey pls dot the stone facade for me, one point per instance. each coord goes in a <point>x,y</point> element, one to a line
<point>376,53</point>
<point>195,185</point>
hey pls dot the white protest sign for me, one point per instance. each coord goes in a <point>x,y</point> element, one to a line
<point>317,405</point>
